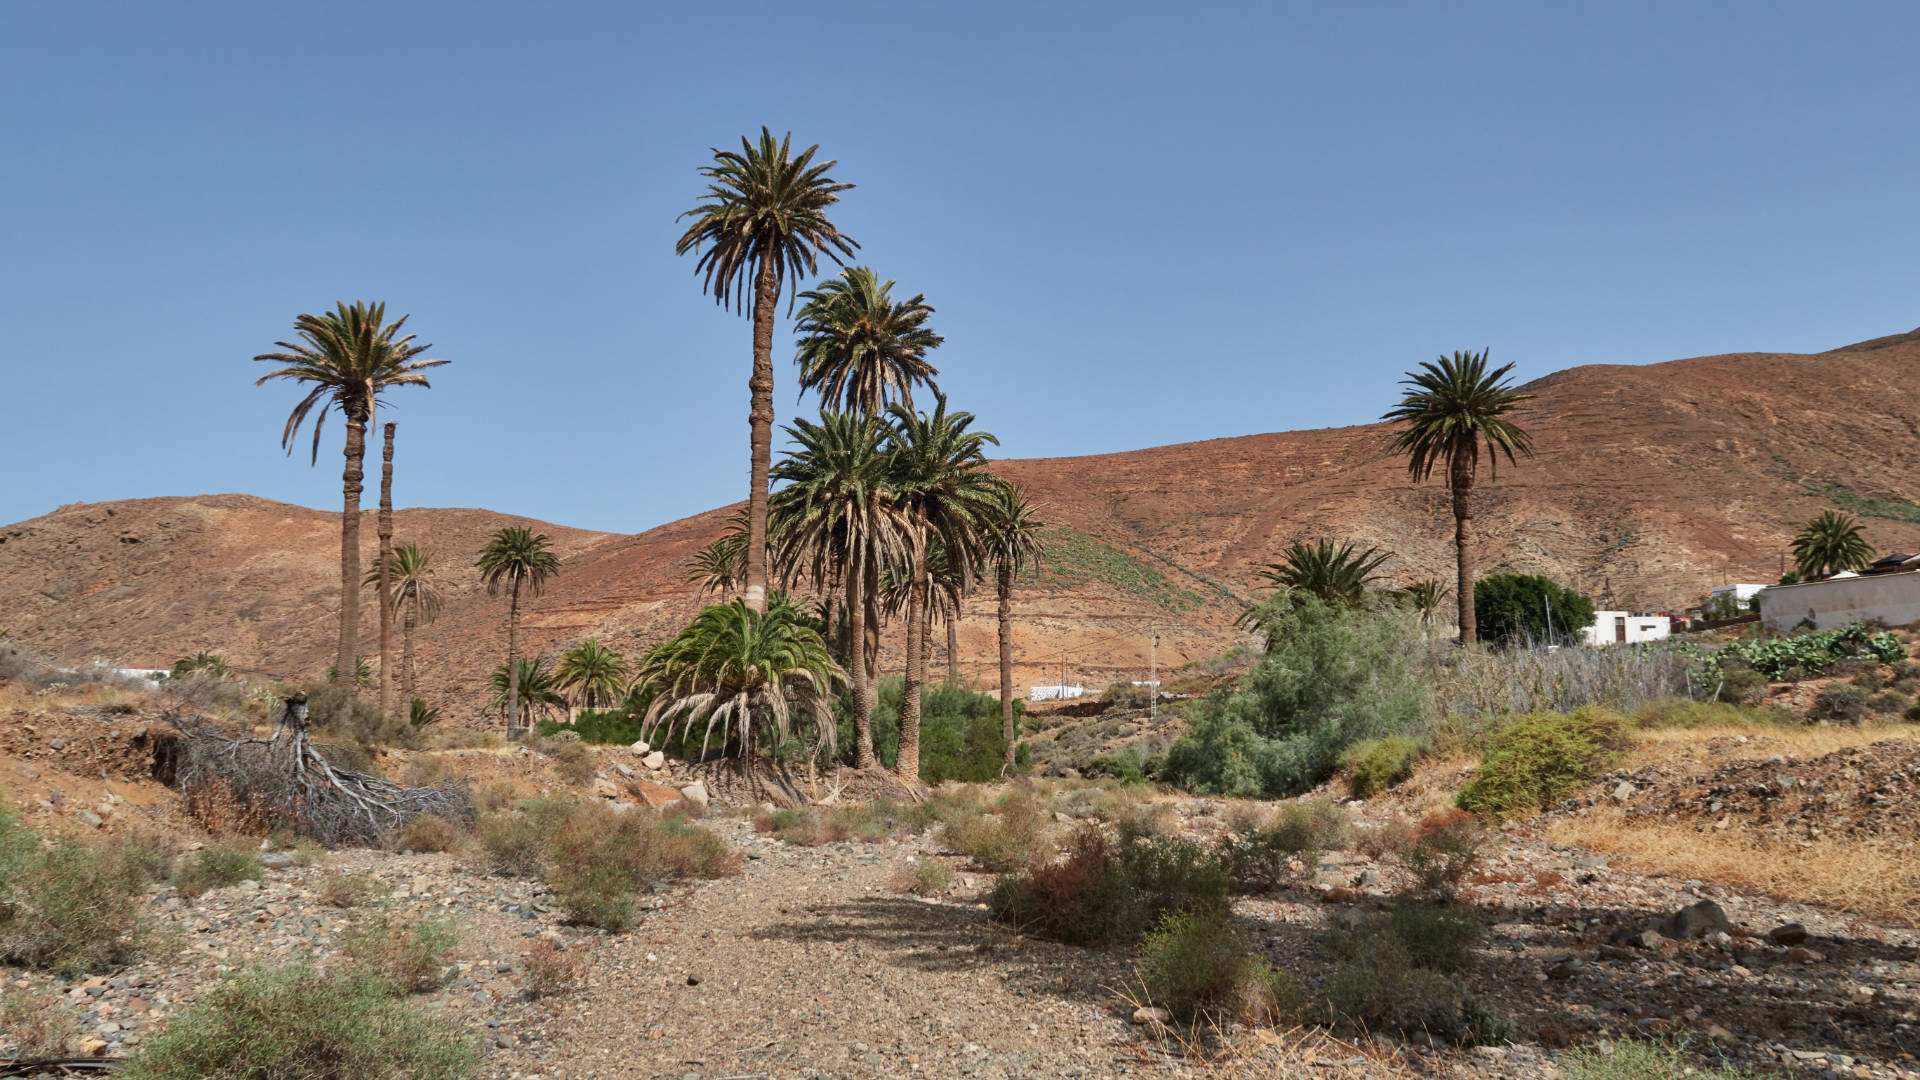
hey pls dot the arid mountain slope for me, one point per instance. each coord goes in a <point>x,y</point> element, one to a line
<point>1651,484</point>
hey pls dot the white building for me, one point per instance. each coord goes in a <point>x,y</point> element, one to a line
<point>1624,627</point>
<point>1842,600</point>
<point>1054,693</point>
<point>1741,593</point>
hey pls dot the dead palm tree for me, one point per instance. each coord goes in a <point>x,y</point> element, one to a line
<point>1451,409</point>
<point>762,224</point>
<point>860,348</point>
<point>350,356</point>
<point>410,589</point>
<point>515,557</point>
<point>1010,543</point>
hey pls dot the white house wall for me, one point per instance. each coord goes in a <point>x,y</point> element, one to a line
<point>1639,628</point>
<point>1892,598</point>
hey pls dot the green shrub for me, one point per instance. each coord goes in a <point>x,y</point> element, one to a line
<point>961,737</point>
<point>1843,702</point>
<point>1513,610</point>
<point>68,906</point>
<point>1379,983</point>
<point>618,727</point>
<point>1123,765</point>
<point>215,867</point>
<point>410,953</point>
<point>1378,764</point>
<point>1534,760</point>
<point>1198,965</point>
<point>1640,1059</point>
<point>1013,839</point>
<point>1258,858</point>
<point>296,1022</point>
<point>1437,936</point>
<point>1112,890</point>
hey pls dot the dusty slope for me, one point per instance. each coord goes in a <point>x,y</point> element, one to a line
<point>1652,483</point>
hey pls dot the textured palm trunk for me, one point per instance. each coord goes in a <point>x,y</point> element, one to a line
<point>406,647</point>
<point>953,647</point>
<point>1460,479</point>
<point>766,300</point>
<point>513,660</point>
<point>908,766</point>
<point>386,583</point>
<point>857,671</point>
<point>346,665</point>
<point>870,596</point>
<point>1005,613</point>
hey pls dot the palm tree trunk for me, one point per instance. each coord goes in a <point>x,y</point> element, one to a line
<point>953,647</point>
<point>347,663</point>
<point>857,670</point>
<point>870,596</point>
<point>513,659</point>
<point>1006,655</point>
<point>406,646</point>
<point>766,301</point>
<point>908,765</point>
<point>1460,479</point>
<point>386,584</point>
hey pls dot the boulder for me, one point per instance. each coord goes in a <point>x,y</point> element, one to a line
<point>1787,934</point>
<point>1695,921</point>
<point>655,760</point>
<point>1624,791</point>
<point>696,793</point>
<point>640,747</point>
<point>1147,1014</point>
<point>656,795</point>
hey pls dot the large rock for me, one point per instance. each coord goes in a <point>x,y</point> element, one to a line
<point>696,793</point>
<point>1695,921</point>
<point>655,760</point>
<point>656,795</point>
<point>640,747</point>
<point>1787,934</point>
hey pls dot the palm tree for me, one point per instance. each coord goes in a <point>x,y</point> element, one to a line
<point>595,674</point>
<point>1338,575</point>
<point>860,348</point>
<point>762,223</point>
<point>945,594</point>
<point>1425,597</point>
<point>526,686</point>
<point>516,557</point>
<point>385,559</point>
<point>944,490</point>
<point>1450,410</point>
<point>351,356</point>
<point>1829,544</point>
<point>1009,542</point>
<point>410,587</point>
<point>743,672</point>
<point>718,567</point>
<point>836,519</point>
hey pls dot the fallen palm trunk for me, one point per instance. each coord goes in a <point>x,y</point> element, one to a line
<point>283,780</point>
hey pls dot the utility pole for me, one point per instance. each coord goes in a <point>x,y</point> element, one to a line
<point>1153,677</point>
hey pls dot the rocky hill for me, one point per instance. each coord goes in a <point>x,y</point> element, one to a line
<point>1652,483</point>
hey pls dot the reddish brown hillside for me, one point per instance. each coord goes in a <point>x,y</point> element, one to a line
<point>1651,484</point>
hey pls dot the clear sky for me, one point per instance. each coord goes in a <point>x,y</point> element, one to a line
<point>1140,224</point>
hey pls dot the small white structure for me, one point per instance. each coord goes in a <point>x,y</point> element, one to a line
<point>1054,693</point>
<point>1626,628</point>
<point>1842,600</point>
<point>1741,593</point>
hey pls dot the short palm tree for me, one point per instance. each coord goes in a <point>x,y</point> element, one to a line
<point>595,675</point>
<point>1450,411</point>
<point>744,674</point>
<point>410,589</point>
<point>1010,543</point>
<point>527,687</point>
<point>514,558</point>
<point>210,664</point>
<point>859,347</point>
<point>762,225</point>
<point>349,356</point>
<point>1425,597</point>
<point>1339,574</point>
<point>943,489</point>
<point>835,520</point>
<point>719,567</point>
<point>1829,544</point>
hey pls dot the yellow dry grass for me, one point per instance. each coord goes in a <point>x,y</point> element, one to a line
<point>1658,745</point>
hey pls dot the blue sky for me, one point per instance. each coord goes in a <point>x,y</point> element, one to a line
<point>1139,224</point>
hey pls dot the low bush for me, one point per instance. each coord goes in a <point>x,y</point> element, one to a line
<point>1392,972</point>
<point>1112,890</point>
<point>36,1027</point>
<point>427,833</point>
<point>961,737</point>
<point>1124,765</point>
<point>339,715</point>
<point>1378,764</point>
<point>548,968</point>
<point>1198,965</point>
<point>1745,685</point>
<point>1681,713</point>
<point>1012,839</point>
<point>1444,849</point>
<point>573,762</point>
<point>927,877</point>
<point>215,867</point>
<point>1641,1059</point>
<point>410,953</point>
<point>811,826</point>
<point>1260,858</point>
<point>1534,760</point>
<point>299,1022</point>
<point>349,890</point>
<point>1841,702</point>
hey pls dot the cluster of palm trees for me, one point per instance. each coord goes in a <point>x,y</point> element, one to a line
<point>1344,575</point>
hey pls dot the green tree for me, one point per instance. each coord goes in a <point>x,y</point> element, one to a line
<point>524,691</point>
<point>743,673</point>
<point>1451,410</point>
<point>211,664</point>
<point>860,348</point>
<point>1829,544</point>
<point>836,517</point>
<point>762,224</point>
<point>943,489</point>
<point>1512,609</point>
<point>594,674</point>
<point>349,356</point>
<point>1010,543</point>
<point>514,558</point>
<point>410,589</point>
<point>1336,573</point>
<point>1424,597</point>
<point>720,566</point>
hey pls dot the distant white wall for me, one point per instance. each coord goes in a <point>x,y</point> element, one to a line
<point>1741,593</point>
<point>1054,693</point>
<point>1892,598</point>
<point>1609,626</point>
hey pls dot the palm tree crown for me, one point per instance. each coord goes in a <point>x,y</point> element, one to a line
<point>837,508</point>
<point>515,556</point>
<point>594,674</point>
<point>532,677</point>
<point>1829,544</point>
<point>860,348</point>
<point>410,576</point>
<point>350,356</point>
<point>1425,596</point>
<point>1337,574</point>
<point>940,479</point>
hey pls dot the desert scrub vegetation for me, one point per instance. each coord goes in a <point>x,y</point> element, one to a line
<point>924,877</point>
<point>1375,765</point>
<point>410,952</point>
<point>66,905</point>
<point>960,734</point>
<point>349,890</point>
<point>1642,1059</point>
<point>1261,850</point>
<point>812,826</point>
<point>428,833</point>
<point>548,968</point>
<point>1396,970</point>
<point>1201,966</point>
<point>300,1022</point>
<point>1012,836</point>
<point>214,867</point>
<point>1111,889</point>
<point>1534,760</point>
<point>36,1027</point>
<point>1809,654</point>
<point>1473,686</point>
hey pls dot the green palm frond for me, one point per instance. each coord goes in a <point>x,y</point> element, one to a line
<point>516,556</point>
<point>593,673</point>
<point>941,483</point>
<point>350,356</point>
<point>1451,408</point>
<point>721,566</point>
<point>410,576</point>
<point>538,694</point>
<point>1829,544</point>
<point>1010,530</point>
<point>1424,597</point>
<point>1339,574</point>
<point>837,513</point>
<point>860,348</point>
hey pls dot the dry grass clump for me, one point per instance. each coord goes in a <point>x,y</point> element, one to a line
<point>1261,850</point>
<point>926,877</point>
<point>812,826</point>
<point>349,890</point>
<point>427,833</point>
<point>410,953</point>
<point>37,1027</point>
<point>69,906</point>
<point>572,761</point>
<point>1012,837</point>
<point>1110,889</point>
<point>1439,851</point>
<point>497,795</point>
<point>548,968</point>
<point>1200,966</point>
<point>215,867</point>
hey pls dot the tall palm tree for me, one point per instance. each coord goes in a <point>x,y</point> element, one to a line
<point>836,518</point>
<point>1010,543</point>
<point>762,223</point>
<point>1425,597</point>
<point>1450,410</point>
<point>527,686</point>
<point>385,559</point>
<point>945,594</point>
<point>410,588</point>
<point>744,672</point>
<point>944,490</point>
<point>595,674</point>
<point>1337,574</point>
<point>350,356</point>
<point>1829,544</point>
<point>859,347</point>
<point>513,558</point>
